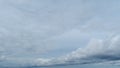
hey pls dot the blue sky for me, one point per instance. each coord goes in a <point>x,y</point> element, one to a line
<point>59,32</point>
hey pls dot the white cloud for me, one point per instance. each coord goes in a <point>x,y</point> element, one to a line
<point>97,51</point>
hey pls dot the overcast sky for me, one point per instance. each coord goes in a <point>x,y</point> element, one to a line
<point>56,32</point>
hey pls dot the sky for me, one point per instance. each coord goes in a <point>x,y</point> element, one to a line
<point>59,32</point>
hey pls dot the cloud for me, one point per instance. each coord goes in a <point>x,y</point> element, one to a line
<point>26,27</point>
<point>97,51</point>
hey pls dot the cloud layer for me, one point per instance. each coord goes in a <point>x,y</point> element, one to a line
<point>30,28</point>
<point>97,51</point>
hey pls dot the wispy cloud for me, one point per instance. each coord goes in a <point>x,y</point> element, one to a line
<point>29,28</point>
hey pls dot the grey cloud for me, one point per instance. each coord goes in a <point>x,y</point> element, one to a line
<point>26,26</point>
<point>97,51</point>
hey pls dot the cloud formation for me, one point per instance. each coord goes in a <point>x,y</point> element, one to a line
<point>97,51</point>
<point>29,28</point>
<point>26,27</point>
